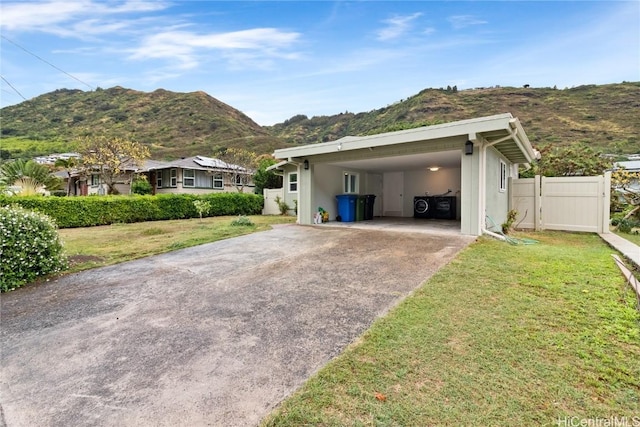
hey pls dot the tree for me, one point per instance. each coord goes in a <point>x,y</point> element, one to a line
<point>67,165</point>
<point>241,165</point>
<point>109,157</point>
<point>28,175</point>
<point>572,160</point>
<point>627,195</point>
<point>264,178</point>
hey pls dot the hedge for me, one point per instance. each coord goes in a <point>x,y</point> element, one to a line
<point>87,211</point>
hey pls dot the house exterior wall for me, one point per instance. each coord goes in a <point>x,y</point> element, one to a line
<point>203,183</point>
<point>469,193</point>
<point>497,200</point>
<point>328,184</point>
<point>419,182</point>
<point>290,197</point>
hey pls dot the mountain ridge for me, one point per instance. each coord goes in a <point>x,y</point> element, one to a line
<point>174,124</point>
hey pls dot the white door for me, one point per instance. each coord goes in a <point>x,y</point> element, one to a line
<point>392,185</point>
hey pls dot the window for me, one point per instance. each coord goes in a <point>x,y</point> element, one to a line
<point>350,183</point>
<point>503,176</point>
<point>95,180</point>
<point>218,181</point>
<point>188,178</point>
<point>158,179</point>
<point>173,178</point>
<point>293,182</point>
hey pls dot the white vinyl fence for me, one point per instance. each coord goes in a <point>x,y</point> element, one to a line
<point>270,205</point>
<point>576,203</point>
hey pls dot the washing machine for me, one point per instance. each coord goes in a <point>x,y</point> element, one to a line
<point>443,207</point>
<point>423,207</point>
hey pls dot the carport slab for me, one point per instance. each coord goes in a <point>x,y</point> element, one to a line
<point>214,335</point>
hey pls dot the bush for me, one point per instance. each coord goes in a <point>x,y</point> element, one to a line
<point>89,211</point>
<point>141,186</point>
<point>242,221</point>
<point>29,247</point>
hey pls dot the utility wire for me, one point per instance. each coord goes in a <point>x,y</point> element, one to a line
<point>46,62</point>
<point>12,87</point>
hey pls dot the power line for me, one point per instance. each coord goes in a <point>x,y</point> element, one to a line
<point>12,87</point>
<point>46,62</point>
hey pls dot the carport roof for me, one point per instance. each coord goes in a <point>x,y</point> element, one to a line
<point>502,131</point>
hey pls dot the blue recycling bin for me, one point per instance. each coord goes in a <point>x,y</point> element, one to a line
<point>347,207</point>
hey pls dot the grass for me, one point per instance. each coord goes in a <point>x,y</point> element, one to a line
<point>633,237</point>
<point>503,335</point>
<point>111,244</point>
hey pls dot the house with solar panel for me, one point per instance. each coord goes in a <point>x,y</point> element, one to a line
<point>197,175</point>
<point>192,175</point>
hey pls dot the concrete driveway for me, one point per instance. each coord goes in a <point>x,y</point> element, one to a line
<point>215,335</point>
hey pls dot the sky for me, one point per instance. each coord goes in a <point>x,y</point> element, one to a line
<point>276,59</point>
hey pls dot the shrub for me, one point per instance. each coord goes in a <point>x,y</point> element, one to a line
<point>89,211</point>
<point>29,247</point>
<point>282,205</point>
<point>141,186</point>
<point>242,221</point>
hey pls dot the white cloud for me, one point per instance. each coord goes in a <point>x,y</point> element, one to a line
<point>48,16</point>
<point>251,46</point>
<point>462,21</point>
<point>397,26</point>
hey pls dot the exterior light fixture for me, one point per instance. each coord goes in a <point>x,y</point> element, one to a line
<point>306,165</point>
<point>434,168</point>
<point>468,148</point>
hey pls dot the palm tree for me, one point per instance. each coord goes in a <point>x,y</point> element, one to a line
<point>14,173</point>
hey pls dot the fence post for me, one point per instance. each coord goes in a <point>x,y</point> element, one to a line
<point>606,202</point>
<point>537,202</point>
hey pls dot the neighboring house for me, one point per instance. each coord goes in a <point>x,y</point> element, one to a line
<point>193,175</point>
<point>469,161</point>
<point>198,175</point>
<point>632,166</point>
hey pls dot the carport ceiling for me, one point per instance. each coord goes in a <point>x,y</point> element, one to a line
<point>443,159</point>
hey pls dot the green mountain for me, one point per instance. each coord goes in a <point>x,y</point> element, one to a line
<point>605,117</point>
<point>171,124</point>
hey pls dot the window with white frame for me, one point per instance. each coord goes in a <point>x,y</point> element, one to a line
<point>503,176</point>
<point>173,178</point>
<point>188,178</point>
<point>350,183</point>
<point>95,180</point>
<point>293,182</point>
<point>218,181</point>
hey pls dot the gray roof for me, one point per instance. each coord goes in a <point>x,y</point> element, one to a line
<point>197,163</point>
<point>631,166</point>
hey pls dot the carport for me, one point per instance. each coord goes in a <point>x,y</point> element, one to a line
<point>469,162</point>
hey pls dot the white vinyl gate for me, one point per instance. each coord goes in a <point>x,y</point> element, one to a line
<point>270,205</point>
<point>576,203</point>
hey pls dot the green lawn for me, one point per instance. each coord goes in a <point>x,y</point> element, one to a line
<point>632,237</point>
<point>503,335</point>
<point>110,244</point>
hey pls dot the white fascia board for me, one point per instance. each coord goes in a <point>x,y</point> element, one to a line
<point>523,142</point>
<point>445,130</point>
<point>277,165</point>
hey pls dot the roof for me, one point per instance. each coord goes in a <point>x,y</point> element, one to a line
<point>503,131</point>
<point>197,163</point>
<point>631,166</point>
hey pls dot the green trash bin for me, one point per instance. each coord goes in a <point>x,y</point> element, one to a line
<point>360,208</point>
